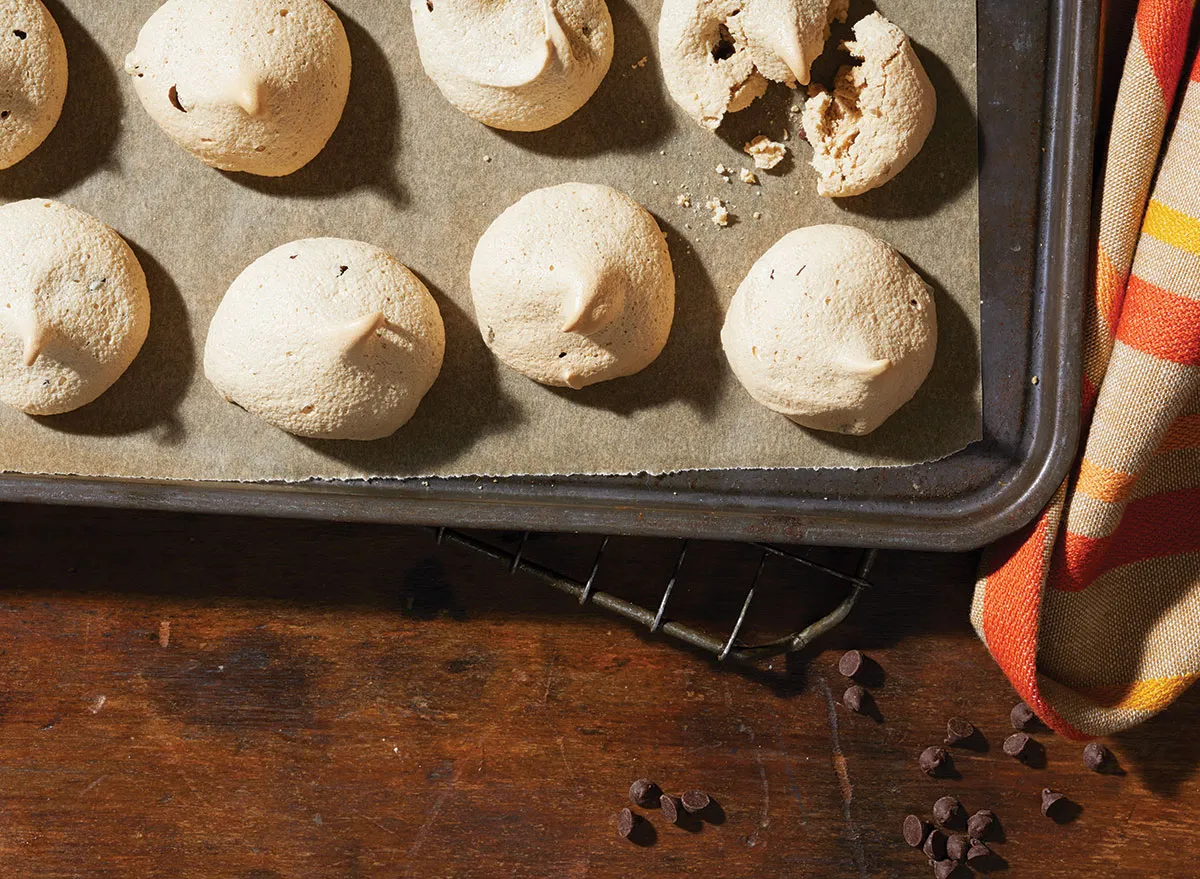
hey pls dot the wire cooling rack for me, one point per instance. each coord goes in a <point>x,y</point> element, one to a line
<point>725,647</point>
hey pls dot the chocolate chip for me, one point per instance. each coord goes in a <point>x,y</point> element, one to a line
<point>977,851</point>
<point>695,800</point>
<point>1018,745</point>
<point>957,846</point>
<point>625,823</point>
<point>948,811</point>
<point>916,831</point>
<point>851,663</point>
<point>1051,801</point>
<point>958,730</point>
<point>855,698</point>
<point>935,845</point>
<point>670,808</point>
<point>1022,717</point>
<point>981,824</point>
<point>933,760</point>
<point>644,793</point>
<point>944,869</point>
<point>1096,756</point>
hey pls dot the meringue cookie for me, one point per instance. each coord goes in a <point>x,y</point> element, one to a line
<point>33,78</point>
<point>326,338</point>
<point>878,116</point>
<point>573,285</point>
<point>518,65</point>
<point>832,328</point>
<point>244,85</point>
<point>719,55</point>
<point>74,308</point>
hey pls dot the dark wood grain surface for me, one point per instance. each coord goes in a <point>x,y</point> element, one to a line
<point>187,696</point>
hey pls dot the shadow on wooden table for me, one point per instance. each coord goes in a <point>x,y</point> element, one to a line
<point>279,565</point>
<point>1164,751</point>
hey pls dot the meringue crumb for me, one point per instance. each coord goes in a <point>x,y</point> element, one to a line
<point>640,63</point>
<point>720,214</point>
<point>794,108</point>
<point>722,170</point>
<point>748,176</point>
<point>683,201</point>
<point>757,215</point>
<point>487,158</point>
<point>766,153</point>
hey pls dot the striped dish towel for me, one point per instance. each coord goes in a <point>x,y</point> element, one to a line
<point>1093,611</point>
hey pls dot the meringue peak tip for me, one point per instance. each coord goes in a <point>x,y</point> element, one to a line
<point>867,367</point>
<point>250,95</point>
<point>591,303</point>
<point>557,42</point>
<point>789,50</point>
<point>36,340</point>
<point>352,336</point>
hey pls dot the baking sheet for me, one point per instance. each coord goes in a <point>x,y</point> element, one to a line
<point>407,172</point>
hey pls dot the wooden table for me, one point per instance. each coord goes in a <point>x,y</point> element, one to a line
<point>190,696</point>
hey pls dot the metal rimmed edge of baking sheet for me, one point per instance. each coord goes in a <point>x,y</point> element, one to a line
<point>1038,65</point>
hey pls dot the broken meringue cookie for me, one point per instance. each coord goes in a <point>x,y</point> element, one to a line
<point>517,65</point>
<point>244,85</point>
<point>573,285</point>
<point>718,56</point>
<point>878,116</point>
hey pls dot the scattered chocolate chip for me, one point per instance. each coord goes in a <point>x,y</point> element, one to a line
<point>947,811</point>
<point>958,730</point>
<point>935,845</point>
<point>20,35</point>
<point>944,869</point>
<point>957,846</point>
<point>977,850</point>
<point>916,831</point>
<point>981,824</point>
<point>695,800</point>
<point>851,663</point>
<point>670,808</point>
<point>855,698</point>
<point>1022,717</point>
<point>625,823</point>
<point>644,793</point>
<point>1096,756</point>
<point>1018,745</point>
<point>1051,800</point>
<point>933,760</point>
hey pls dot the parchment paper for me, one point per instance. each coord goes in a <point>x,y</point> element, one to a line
<point>407,172</point>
